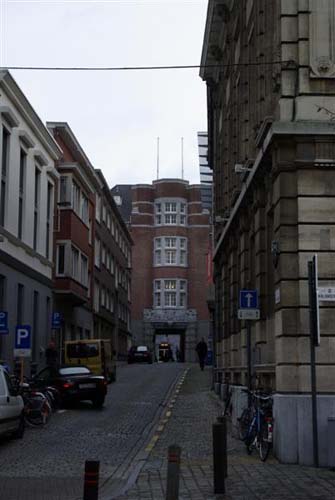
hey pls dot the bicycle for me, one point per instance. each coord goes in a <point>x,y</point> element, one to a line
<point>37,410</point>
<point>227,400</point>
<point>256,424</point>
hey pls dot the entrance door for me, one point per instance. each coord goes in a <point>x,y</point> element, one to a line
<point>169,344</point>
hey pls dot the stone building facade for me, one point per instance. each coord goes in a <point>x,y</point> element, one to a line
<point>28,181</point>
<point>269,68</point>
<point>170,231</point>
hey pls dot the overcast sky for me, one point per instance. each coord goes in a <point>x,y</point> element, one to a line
<point>116,116</point>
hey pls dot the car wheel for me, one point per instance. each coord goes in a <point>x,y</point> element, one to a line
<point>18,434</point>
<point>98,402</point>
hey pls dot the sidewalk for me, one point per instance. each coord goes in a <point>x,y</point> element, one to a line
<point>188,423</point>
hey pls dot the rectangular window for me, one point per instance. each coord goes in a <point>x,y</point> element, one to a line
<point>49,219</point>
<point>36,206</point>
<point>108,220</point>
<point>170,299</point>
<point>103,296</point>
<point>158,257</point>
<point>75,263</point>
<point>104,213</point>
<point>158,220</point>
<point>2,292</point>
<point>96,295</point>
<point>171,242</point>
<point>113,227</point>
<point>183,208</point>
<point>103,255</point>
<point>97,207</point>
<point>170,256</point>
<point>182,258</point>
<point>22,181</point>
<point>76,198</point>
<point>171,207</point>
<point>60,259</point>
<point>84,270</point>
<point>112,265</point>
<point>171,219</point>
<point>4,171</point>
<point>97,257</point>
<point>84,208</point>
<point>170,285</point>
<point>63,190</point>
<point>20,304</point>
<point>182,220</point>
<point>158,208</point>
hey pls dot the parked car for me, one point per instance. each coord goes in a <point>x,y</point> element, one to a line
<point>11,407</point>
<point>139,354</point>
<point>74,383</point>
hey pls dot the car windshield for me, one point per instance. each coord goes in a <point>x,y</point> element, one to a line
<point>82,350</point>
<point>74,370</point>
<point>142,348</point>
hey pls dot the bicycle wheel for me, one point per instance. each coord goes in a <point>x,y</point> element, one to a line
<point>264,443</point>
<point>37,413</point>
<point>244,423</point>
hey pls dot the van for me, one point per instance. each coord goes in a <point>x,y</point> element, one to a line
<point>96,354</point>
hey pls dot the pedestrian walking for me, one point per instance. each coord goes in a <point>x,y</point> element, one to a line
<point>202,352</point>
<point>51,354</point>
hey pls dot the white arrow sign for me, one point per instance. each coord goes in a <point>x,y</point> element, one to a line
<point>249,298</point>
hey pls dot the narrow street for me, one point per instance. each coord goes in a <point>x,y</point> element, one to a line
<point>48,463</point>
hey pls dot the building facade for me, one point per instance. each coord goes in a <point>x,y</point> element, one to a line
<point>28,186</point>
<point>269,68</point>
<point>74,245</point>
<point>170,231</point>
<point>112,272</point>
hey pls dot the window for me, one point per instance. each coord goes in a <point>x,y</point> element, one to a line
<point>65,190</point>
<point>84,208</point>
<point>112,265</point>
<point>84,270</point>
<point>22,181</point>
<point>96,295</point>
<point>36,206</point>
<point>97,252</point>
<point>4,171</point>
<point>170,213</point>
<point>75,264</point>
<point>104,213</point>
<point>113,227</point>
<point>171,219</point>
<point>97,207</point>
<point>170,293</point>
<point>170,250</point>
<point>60,259</point>
<point>49,219</point>
<point>76,198</point>
<point>103,255</point>
<point>20,304</point>
<point>103,296</point>
<point>108,220</point>
<point>2,292</point>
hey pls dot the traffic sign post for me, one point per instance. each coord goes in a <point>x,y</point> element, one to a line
<point>56,321</point>
<point>248,310</point>
<point>22,345</point>
<point>314,341</point>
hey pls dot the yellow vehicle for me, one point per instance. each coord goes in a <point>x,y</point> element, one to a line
<point>96,354</point>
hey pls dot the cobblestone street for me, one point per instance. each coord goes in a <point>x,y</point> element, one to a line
<point>48,463</point>
<point>190,426</point>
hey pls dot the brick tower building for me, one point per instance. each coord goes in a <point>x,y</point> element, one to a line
<point>170,230</point>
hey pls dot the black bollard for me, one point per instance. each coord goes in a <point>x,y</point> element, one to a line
<point>91,481</point>
<point>172,487</point>
<point>219,455</point>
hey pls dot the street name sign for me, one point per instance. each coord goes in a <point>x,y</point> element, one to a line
<point>22,341</point>
<point>248,314</point>
<point>326,294</point>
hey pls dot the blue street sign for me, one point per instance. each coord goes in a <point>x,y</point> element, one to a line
<point>56,321</point>
<point>248,299</point>
<point>23,337</point>
<point>4,323</point>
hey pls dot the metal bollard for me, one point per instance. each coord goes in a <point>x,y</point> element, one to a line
<point>91,481</point>
<point>172,487</point>
<point>219,455</point>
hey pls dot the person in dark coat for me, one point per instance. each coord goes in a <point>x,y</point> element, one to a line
<point>202,352</point>
<point>51,354</point>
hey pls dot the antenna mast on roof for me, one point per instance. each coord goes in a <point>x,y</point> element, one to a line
<point>157,158</point>
<point>182,157</point>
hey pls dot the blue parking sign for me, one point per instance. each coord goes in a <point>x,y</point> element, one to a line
<point>23,337</point>
<point>3,322</point>
<point>248,299</point>
<point>56,320</point>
